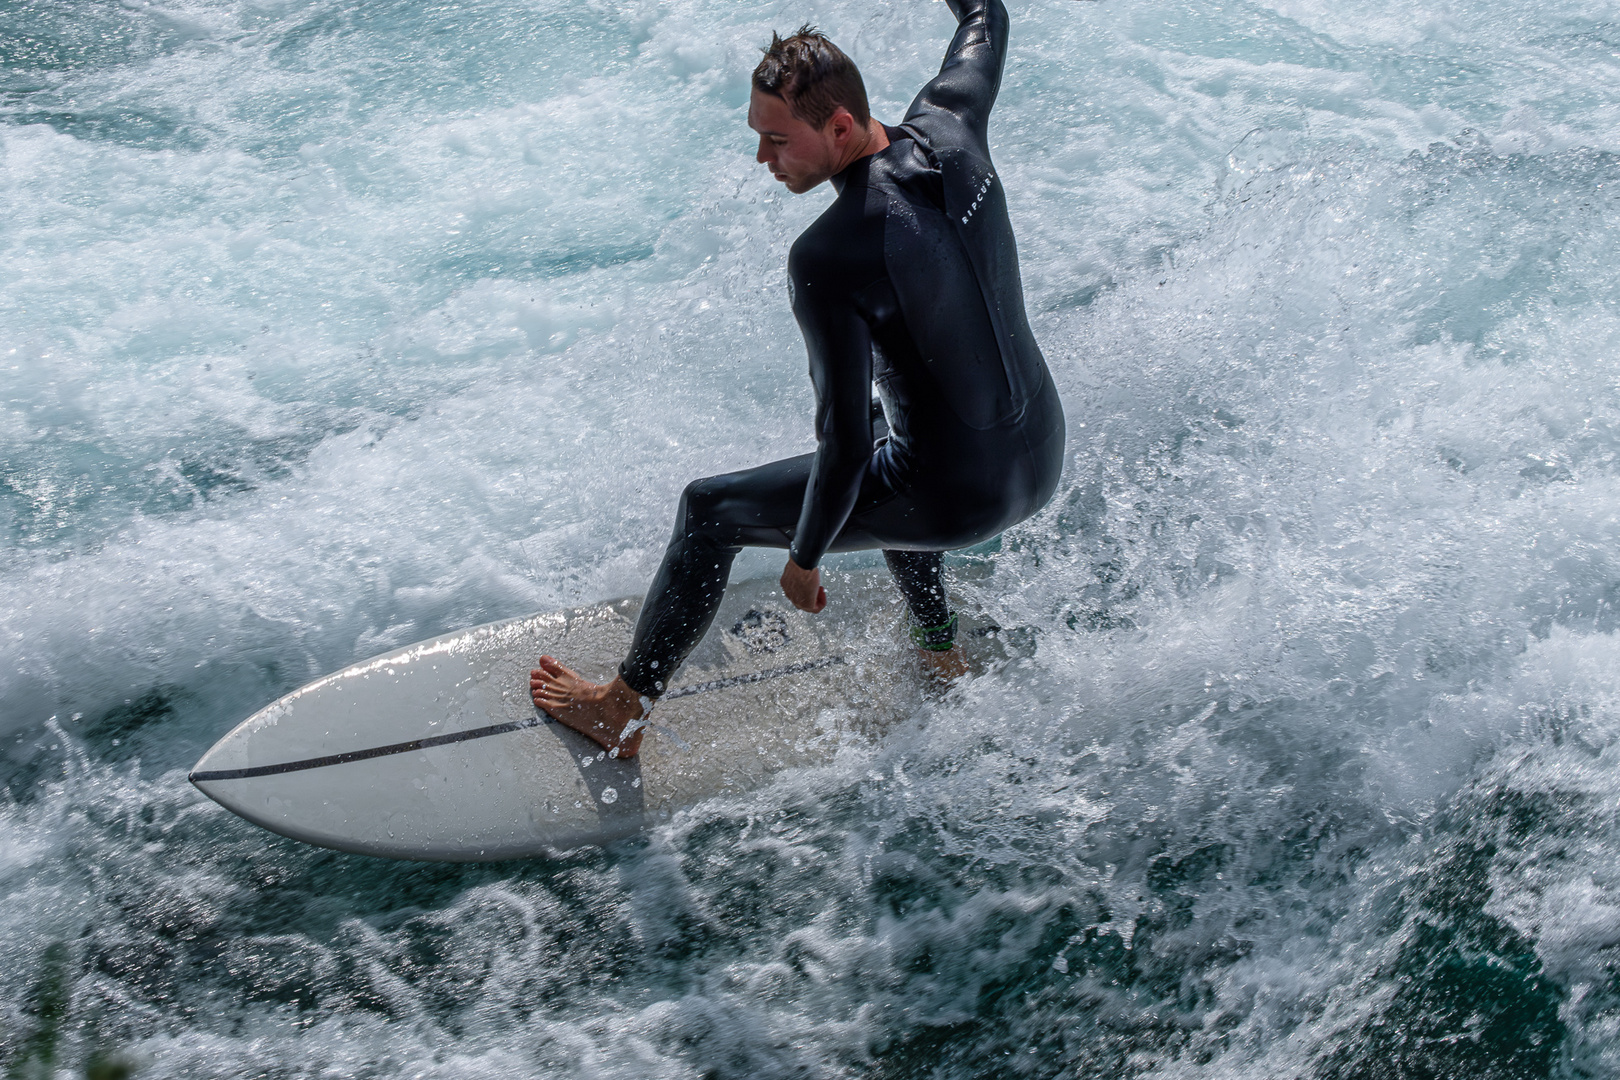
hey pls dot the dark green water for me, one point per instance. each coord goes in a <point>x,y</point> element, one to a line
<point>328,327</point>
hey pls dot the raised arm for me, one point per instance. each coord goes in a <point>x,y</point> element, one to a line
<point>840,348</point>
<point>954,108</point>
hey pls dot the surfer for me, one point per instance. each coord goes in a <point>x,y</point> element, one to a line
<point>909,282</point>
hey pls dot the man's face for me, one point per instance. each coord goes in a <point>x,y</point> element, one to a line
<point>797,154</point>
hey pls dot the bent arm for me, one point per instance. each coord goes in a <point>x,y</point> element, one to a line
<point>955,105</point>
<point>840,347</point>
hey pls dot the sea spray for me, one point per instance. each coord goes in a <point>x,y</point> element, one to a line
<point>325,329</point>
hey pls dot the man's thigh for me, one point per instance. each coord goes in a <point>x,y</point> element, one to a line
<point>760,507</point>
<point>921,520</point>
<point>755,507</point>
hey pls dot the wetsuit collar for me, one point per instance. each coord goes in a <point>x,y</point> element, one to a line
<point>854,169</point>
<point>862,165</point>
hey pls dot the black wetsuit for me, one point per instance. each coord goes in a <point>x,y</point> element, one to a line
<point>909,281</point>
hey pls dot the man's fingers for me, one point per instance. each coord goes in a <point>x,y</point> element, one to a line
<point>803,587</point>
<point>811,606</point>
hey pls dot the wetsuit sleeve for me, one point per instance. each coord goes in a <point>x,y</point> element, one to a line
<point>840,347</point>
<point>954,108</point>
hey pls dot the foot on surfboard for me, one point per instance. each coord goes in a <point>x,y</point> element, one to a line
<point>607,714</point>
<point>945,666</point>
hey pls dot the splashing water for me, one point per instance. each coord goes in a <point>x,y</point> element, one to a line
<point>328,327</point>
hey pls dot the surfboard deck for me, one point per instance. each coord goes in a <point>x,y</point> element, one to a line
<point>434,751</point>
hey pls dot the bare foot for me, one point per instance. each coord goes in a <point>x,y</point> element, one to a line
<point>605,714</point>
<point>947,665</point>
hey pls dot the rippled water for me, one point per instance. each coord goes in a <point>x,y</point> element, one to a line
<point>325,327</point>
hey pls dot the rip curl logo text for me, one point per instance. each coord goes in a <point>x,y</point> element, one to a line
<point>979,198</point>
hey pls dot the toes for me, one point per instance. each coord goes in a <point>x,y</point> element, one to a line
<point>552,668</point>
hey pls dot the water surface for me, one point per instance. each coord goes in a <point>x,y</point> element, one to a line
<point>326,327</point>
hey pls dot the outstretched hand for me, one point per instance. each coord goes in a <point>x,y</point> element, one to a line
<point>803,587</point>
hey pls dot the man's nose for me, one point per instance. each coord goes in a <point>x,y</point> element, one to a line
<point>761,156</point>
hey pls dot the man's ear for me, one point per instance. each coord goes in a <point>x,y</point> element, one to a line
<point>842,123</point>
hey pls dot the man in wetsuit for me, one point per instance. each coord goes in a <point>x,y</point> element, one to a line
<point>909,281</point>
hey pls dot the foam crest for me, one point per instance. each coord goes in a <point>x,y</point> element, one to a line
<point>325,329</point>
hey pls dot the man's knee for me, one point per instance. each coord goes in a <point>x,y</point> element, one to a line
<point>699,513</point>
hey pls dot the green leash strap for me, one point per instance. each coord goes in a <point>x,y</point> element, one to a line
<point>935,638</point>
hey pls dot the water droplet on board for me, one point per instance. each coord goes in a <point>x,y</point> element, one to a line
<point>609,796</point>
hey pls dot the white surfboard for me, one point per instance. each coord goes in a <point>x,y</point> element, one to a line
<point>435,751</point>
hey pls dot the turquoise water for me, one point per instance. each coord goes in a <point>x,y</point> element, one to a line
<point>327,327</point>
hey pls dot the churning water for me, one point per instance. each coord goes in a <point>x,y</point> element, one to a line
<point>329,325</point>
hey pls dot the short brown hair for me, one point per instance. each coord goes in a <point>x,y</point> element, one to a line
<point>813,76</point>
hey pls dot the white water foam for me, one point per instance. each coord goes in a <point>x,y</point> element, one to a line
<point>325,330</point>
